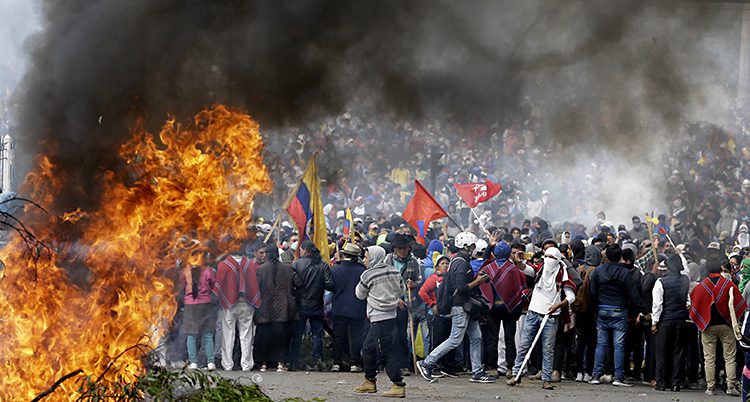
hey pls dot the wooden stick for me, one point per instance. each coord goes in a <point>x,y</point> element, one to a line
<point>56,384</point>
<point>275,225</point>
<point>411,330</point>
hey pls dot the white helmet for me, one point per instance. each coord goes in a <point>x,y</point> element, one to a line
<point>465,239</point>
<point>481,246</point>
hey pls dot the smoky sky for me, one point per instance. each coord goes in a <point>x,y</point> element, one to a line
<point>606,72</point>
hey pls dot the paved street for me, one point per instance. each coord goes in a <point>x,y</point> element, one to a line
<point>338,387</point>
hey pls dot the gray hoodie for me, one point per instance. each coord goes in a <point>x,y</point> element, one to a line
<point>381,285</point>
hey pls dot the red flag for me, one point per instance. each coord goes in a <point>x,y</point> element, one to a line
<point>421,210</point>
<point>474,193</point>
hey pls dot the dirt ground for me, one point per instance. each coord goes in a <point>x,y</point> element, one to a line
<point>339,386</point>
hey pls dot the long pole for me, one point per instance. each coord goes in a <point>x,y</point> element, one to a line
<point>411,330</point>
<point>275,225</point>
<point>536,338</point>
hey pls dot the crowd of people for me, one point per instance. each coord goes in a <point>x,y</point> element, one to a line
<point>529,286</point>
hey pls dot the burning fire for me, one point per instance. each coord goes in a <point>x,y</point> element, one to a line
<point>87,301</point>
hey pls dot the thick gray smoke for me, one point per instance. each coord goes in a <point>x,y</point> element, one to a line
<point>608,74</point>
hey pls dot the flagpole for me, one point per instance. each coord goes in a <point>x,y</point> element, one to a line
<point>275,225</point>
<point>481,225</point>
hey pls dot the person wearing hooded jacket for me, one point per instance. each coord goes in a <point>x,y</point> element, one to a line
<point>382,286</point>
<point>408,266</point>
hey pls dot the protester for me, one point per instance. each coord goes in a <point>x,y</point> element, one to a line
<point>710,311</point>
<point>463,286</point>
<point>278,312</point>
<point>238,291</point>
<point>348,311</point>
<point>382,286</point>
<point>546,300</point>
<point>200,311</point>
<point>668,314</point>
<point>312,276</point>
<point>611,290</point>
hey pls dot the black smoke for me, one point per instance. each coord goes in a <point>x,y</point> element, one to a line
<point>98,65</point>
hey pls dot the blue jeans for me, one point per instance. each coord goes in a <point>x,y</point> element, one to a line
<point>611,320</point>
<point>298,330</point>
<point>530,329</point>
<point>460,325</point>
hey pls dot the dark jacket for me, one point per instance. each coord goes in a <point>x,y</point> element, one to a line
<point>647,284</point>
<point>676,287</point>
<point>345,303</point>
<point>612,285</point>
<point>410,270</point>
<point>636,274</point>
<point>460,274</point>
<point>313,276</point>
<point>276,285</point>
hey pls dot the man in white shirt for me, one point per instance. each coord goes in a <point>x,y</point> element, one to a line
<point>551,282</point>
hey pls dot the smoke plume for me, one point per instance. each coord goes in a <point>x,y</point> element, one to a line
<point>609,75</point>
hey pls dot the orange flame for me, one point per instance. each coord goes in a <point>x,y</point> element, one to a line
<point>88,301</point>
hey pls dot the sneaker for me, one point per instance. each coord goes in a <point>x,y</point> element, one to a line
<point>556,377</point>
<point>263,367</point>
<point>512,381</point>
<point>367,387</point>
<point>335,368</point>
<point>733,391</point>
<point>587,377</point>
<point>193,366</point>
<point>211,367</point>
<point>355,369</point>
<point>405,372</point>
<point>621,383</point>
<point>482,378</point>
<point>579,377</point>
<point>606,378</point>
<point>280,368</point>
<point>710,391</point>
<point>548,385</point>
<point>537,376</point>
<point>425,370</point>
<point>396,391</point>
<point>594,381</point>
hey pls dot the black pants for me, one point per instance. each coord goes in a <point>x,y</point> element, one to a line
<point>633,349</point>
<point>401,340</point>
<point>692,355</point>
<point>564,356</point>
<point>380,333</point>
<point>347,331</point>
<point>649,370</point>
<point>670,353</point>
<point>585,343</point>
<point>499,316</point>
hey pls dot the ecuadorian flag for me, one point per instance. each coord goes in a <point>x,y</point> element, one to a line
<point>306,210</point>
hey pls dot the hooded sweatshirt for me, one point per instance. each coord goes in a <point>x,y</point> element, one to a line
<point>612,285</point>
<point>381,285</point>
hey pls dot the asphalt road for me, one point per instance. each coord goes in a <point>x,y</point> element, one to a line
<point>339,387</point>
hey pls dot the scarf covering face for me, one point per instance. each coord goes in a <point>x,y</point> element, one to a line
<point>745,272</point>
<point>377,256</point>
<point>552,265</point>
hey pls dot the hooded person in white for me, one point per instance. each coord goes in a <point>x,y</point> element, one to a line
<point>546,295</point>
<point>545,299</point>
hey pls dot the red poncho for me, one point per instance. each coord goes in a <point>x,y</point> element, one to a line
<point>507,280</point>
<point>706,294</point>
<point>235,278</point>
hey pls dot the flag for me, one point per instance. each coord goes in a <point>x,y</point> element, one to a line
<point>306,210</point>
<point>474,193</point>
<point>421,210</point>
<point>349,225</point>
<point>651,219</point>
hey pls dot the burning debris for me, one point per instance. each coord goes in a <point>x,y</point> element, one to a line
<point>197,180</point>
